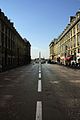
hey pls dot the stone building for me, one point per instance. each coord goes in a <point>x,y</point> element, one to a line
<point>14,50</point>
<point>67,46</point>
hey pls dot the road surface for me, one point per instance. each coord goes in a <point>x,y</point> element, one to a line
<point>40,92</point>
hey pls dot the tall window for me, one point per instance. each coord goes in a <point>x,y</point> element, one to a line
<point>78,26</point>
<point>0,25</point>
<point>74,30</point>
<point>79,39</point>
<point>78,50</point>
<point>0,38</point>
<point>71,33</point>
<point>69,44</point>
<point>0,34</point>
<point>74,41</point>
<point>6,30</point>
<point>8,43</point>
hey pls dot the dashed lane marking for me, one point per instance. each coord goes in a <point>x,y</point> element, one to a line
<point>39,75</point>
<point>39,71</point>
<point>39,110</point>
<point>39,103</point>
<point>39,86</point>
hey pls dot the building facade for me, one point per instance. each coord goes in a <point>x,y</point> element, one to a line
<point>14,50</point>
<point>67,46</point>
<point>51,46</point>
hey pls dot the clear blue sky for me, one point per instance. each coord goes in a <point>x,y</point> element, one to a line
<point>40,20</point>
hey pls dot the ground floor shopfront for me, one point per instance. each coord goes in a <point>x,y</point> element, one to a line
<point>68,59</point>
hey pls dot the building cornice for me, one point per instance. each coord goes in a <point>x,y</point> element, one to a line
<point>9,23</point>
<point>68,28</point>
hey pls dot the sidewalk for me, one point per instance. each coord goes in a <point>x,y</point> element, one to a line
<point>70,66</point>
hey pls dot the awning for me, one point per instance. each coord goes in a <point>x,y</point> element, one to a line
<point>68,58</point>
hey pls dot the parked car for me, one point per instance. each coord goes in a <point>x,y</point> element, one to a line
<point>43,61</point>
<point>51,61</point>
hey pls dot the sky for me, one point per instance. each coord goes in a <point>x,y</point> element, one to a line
<point>40,21</point>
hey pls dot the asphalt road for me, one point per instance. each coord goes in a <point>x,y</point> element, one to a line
<point>56,89</point>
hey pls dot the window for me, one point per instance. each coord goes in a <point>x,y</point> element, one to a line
<point>71,33</point>
<point>66,47</point>
<point>78,26</point>
<point>0,25</point>
<point>78,50</point>
<point>0,38</point>
<point>74,41</point>
<point>8,43</point>
<point>69,44</point>
<point>79,39</point>
<point>71,52</point>
<point>6,30</point>
<point>74,30</point>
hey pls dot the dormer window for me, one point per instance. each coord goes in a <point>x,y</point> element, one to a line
<point>72,18</point>
<point>78,14</point>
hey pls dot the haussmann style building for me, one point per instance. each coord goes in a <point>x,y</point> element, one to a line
<point>14,50</point>
<point>66,48</point>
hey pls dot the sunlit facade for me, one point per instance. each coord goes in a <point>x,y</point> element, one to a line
<point>14,50</point>
<point>51,46</point>
<point>67,46</point>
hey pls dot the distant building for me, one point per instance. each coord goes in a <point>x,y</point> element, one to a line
<point>14,50</point>
<point>67,46</point>
<point>52,50</point>
<point>27,51</point>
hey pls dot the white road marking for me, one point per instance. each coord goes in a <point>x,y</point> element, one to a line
<point>39,110</point>
<point>39,86</point>
<point>39,103</point>
<point>39,71</point>
<point>39,75</point>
